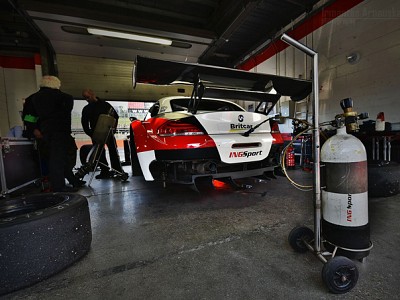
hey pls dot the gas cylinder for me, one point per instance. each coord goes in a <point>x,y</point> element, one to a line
<point>344,195</point>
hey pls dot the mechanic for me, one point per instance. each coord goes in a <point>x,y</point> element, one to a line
<point>90,115</point>
<point>53,109</point>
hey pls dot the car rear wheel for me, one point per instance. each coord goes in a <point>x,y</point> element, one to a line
<point>136,169</point>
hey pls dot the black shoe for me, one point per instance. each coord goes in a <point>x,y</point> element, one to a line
<point>104,175</point>
<point>79,183</point>
<point>83,170</point>
<point>113,174</point>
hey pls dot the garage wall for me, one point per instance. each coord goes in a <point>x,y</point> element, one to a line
<point>4,121</point>
<point>110,79</point>
<point>371,29</point>
<point>19,78</point>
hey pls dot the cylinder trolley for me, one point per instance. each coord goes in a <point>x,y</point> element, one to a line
<point>340,190</point>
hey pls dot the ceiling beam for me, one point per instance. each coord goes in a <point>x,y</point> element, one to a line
<point>245,11</point>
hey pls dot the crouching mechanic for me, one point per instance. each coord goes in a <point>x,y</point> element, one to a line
<point>90,116</point>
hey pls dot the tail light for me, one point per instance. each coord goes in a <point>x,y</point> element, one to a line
<point>178,128</point>
<point>276,134</point>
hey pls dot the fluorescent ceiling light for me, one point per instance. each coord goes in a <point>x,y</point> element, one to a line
<point>129,36</point>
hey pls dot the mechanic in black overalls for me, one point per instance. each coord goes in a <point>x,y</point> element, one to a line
<point>32,131</point>
<point>90,115</point>
<point>53,108</point>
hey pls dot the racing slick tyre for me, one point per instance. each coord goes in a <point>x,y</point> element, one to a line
<point>40,236</point>
<point>127,156</point>
<point>383,179</point>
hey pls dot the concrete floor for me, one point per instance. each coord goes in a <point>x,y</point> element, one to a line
<point>174,243</point>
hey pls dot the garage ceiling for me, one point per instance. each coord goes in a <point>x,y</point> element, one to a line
<point>217,32</point>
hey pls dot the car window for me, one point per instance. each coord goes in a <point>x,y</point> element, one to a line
<point>204,105</point>
<point>153,111</point>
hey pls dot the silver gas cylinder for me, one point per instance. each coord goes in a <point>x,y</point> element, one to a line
<point>344,195</point>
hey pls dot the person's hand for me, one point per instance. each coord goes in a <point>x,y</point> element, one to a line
<point>37,133</point>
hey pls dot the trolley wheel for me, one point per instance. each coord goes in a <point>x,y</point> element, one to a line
<point>298,236</point>
<point>340,274</point>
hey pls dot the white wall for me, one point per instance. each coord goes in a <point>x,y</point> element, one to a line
<point>4,123</point>
<point>16,85</point>
<point>372,29</point>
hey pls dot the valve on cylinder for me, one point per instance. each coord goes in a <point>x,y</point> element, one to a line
<point>349,117</point>
<point>344,194</point>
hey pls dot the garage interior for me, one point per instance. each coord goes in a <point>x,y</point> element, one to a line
<point>231,242</point>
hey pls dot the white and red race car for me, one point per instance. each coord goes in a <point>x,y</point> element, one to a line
<point>183,139</point>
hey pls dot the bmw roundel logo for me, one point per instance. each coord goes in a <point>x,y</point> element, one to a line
<point>240,118</point>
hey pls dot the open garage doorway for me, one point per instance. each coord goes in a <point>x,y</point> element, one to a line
<point>126,110</point>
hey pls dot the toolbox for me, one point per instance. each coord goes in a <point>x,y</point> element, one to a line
<point>19,164</point>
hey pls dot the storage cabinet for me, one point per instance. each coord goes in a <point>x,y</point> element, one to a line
<point>19,164</point>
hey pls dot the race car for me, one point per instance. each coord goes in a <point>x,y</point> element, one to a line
<point>207,136</point>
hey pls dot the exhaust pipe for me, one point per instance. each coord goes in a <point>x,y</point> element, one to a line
<point>206,168</point>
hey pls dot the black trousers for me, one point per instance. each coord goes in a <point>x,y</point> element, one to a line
<point>71,161</point>
<point>113,153</point>
<point>58,151</point>
<point>44,153</point>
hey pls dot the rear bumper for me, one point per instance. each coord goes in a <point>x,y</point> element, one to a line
<point>185,165</point>
<point>187,154</point>
<point>194,154</point>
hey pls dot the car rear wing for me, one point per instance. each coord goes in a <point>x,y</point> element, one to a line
<point>214,81</point>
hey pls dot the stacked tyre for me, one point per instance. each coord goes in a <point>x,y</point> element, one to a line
<point>383,178</point>
<point>40,236</point>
